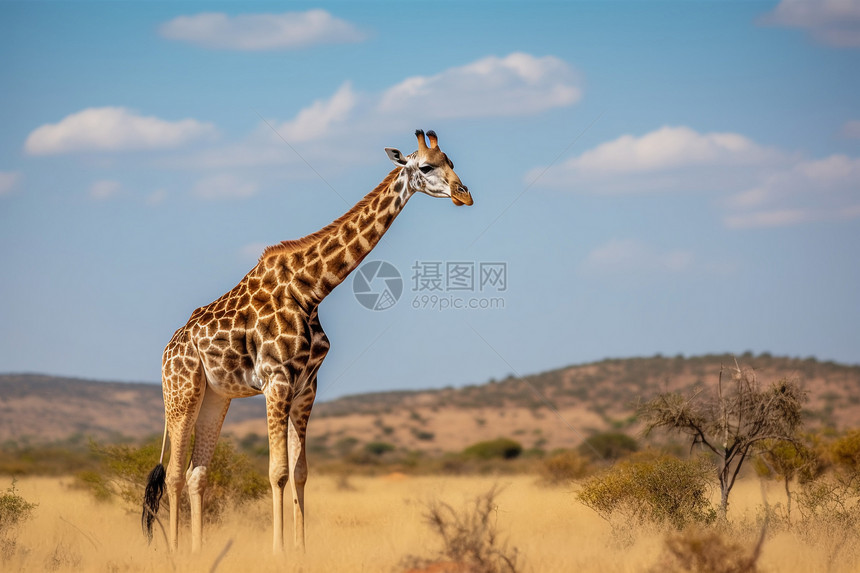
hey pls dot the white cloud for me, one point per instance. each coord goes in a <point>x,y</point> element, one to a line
<point>759,186</point>
<point>832,22</point>
<point>316,120</point>
<point>113,129</point>
<point>104,189</point>
<point>257,32</point>
<point>625,256</point>
<point>808,190</point>
<point>825,178</point>
<point>8,180</point>
<point>670,148</point>
<point>518,84</point>
<point>851,129</point>
<point>671,158</point>
<point>157,197</point>
<point>224,186</point>
<point>763,219</point>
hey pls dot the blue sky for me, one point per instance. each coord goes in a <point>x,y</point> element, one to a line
<point>672,177</point>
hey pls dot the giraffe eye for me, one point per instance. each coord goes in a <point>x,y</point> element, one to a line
<point>426,169</point>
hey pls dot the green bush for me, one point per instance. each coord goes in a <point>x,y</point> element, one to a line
<point>255,445</point>
<point>231,477</point>
<point>609,446</point>
<point>378,448</point>
<point>344,446</point>
<point>845,452</point>
<point>831,502</point>
<point>125,468</point>
<point>59,458</point>
<point>658,490</point>
<point>787,461</point>
<point>423,435</point>
<point>831,499</point>
<point>564,467</point>
<point>500,448</point>
<point>14,510</point>
<point>707,550</point>
<point>96,483</point>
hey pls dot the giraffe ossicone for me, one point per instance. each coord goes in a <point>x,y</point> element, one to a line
<point>264,337</point>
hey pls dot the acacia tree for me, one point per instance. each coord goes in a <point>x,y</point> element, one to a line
<point>730,422</point>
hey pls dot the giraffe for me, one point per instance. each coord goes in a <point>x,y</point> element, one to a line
<point>264,337</point>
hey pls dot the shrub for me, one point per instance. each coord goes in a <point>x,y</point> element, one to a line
<point>503,448</point>
<point>231,476</point>
<point>96,483</point>
<point>787,461</point>
<point>423,435</point>
<point>345,445</point>
<point>58,458</point>
<point>832,500</point>
<point>563,467</point>
<point>378,448</point>
<point>660,490</point>
<point>469,538</point>
<point>845,452</point>
<point>706,551</point>
<point>255,445</point>
<point>830,515</point>
<point>609,446</point>
<point>14,510</point>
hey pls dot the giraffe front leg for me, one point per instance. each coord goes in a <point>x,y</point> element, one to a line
<point>278,397</point>
<point>300,411</point>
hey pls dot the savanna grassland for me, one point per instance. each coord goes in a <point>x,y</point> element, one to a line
<point>487,478</point>
<point>374,523</point>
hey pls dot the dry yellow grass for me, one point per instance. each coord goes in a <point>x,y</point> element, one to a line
<point>371,527</point>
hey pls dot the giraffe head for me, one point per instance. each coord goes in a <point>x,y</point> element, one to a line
<point>429,171</point>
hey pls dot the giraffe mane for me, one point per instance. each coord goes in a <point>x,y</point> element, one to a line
<point>295,244</point>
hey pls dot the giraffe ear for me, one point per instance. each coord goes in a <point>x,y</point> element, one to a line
<point>395,156</point>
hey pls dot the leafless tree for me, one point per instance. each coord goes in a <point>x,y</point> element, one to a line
<point>732,421</point>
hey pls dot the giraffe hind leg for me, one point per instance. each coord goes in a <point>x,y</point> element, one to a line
<point>184,384</point>
<point>180,442</point>
<point>206,432</point>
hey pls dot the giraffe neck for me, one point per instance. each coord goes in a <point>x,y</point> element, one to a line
<point>317,263</point>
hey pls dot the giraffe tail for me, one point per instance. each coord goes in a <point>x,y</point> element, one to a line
<point>153,492</point>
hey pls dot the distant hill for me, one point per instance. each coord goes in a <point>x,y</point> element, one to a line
<point>38,408</point>
<point>548,410</point>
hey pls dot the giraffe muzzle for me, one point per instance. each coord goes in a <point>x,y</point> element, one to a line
<point>461,196</point>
